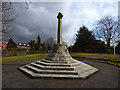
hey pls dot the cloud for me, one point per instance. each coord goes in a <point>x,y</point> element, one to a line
<point>41,18</point>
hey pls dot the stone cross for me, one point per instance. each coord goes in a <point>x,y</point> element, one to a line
<point>59,38</point>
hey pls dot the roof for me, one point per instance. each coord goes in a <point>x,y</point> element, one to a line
<point>19,42</point>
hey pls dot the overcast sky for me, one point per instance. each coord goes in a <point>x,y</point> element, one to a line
<point>41,18</point>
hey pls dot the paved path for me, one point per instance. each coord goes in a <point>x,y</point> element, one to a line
<point>107,77</point>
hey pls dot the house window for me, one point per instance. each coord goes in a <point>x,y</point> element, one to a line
<point>24,44</point>
<point>20,43</point>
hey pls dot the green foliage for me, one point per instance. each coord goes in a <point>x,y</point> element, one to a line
<point>44,49</point>
<point>99,47</point>
<point>32,44</point>
<point>40,47</point>
<point>109,49</point>
<point>118,48</point>
<point>38,43</point>
<point>85,41</point>
<point>49,48</point>
<point>16,49</point>
<point>36,52</point>
<point>37,47</point>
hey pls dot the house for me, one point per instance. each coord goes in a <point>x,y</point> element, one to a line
<point>2,44</point>
<point>17,44</point>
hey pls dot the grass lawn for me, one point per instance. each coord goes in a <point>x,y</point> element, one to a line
<point>97,55</point>
<point>83,54</point>
<point>106,58</point>
<point>36,57</point>
<point>117,57</point>
<point>24,57</point>
<point>72,53</point>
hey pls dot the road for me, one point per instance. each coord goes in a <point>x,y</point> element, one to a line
<point>107,77</point>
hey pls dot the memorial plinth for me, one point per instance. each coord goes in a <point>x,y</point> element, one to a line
<point>59,63</point>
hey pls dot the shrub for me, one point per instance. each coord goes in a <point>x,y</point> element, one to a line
<point>16,49</point>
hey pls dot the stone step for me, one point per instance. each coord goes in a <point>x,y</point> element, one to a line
<point>81,66</point>
<point>59,55</point>
<point>52,64</point>
<point>51,67</point>
<point>76,64</point>
<point>58,64</point>
<point>58,67</point>
<point>33,74</point>
<point>88,73</point>
<point>85,69</point>
<point>51,61</point>
<point>51,71</point>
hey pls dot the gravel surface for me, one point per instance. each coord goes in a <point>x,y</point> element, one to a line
<point>107,77</point>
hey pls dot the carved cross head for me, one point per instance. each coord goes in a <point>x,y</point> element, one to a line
<point>60,15</point>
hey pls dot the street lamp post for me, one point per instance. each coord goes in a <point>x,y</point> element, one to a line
<point>114,45</point>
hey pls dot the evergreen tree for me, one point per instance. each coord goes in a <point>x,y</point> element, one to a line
<point>38,42</point>
<point>32,44</point>
<point>36,48</point>
<point>85,40</point>
<point>100,47</point>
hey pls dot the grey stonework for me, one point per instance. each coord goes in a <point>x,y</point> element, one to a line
<point>59,63</point>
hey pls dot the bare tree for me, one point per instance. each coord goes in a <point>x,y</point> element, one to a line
<point>7,19</point>
<point>50,42</point>
<point>107,29</point>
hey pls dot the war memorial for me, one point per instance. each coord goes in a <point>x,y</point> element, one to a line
<point>59,63</point>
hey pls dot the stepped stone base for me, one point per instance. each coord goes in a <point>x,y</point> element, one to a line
<point>59,64</point>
